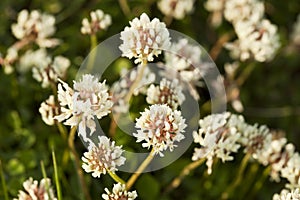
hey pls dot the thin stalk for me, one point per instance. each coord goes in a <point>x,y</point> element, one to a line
<point>3,182</point>
<point>216,49</point>
<point>45,178</point>
<point>239,177</point>
<point>140,170</point>
<point>260,182</point>
<point>184,172</point>
<point>245,74</point>
<point>77,163</point>
<point>125,8</point>
<point>113,124</point>
<point>93,52</point>
<point>116,177</point>
<point>59,195</point>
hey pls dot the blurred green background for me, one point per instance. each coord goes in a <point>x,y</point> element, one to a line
<point>271,96</point>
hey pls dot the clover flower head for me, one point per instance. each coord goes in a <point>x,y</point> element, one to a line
<point>236,10</point>
<point>103,157</point>
<point>79,106</point>
<point>176,8</point>
<point>167,92</point>
<point>119,192</point>
<point>216,7</point>
<point>36,191</point>
<point>160,127</point>
<point>217,138</point>
<point>287,194</point>
<point>99,21</point>
<point>120,88</point>
<point>35,27</point>
<point>38,58</point>
<point>144,39</point>
<point>291,169</point>
<point>258,40</point>
<point>49,110</point>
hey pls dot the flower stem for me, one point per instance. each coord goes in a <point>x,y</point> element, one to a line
<point>45,177</point>
<point>259,183</point>
<point>125,8</point>
<point>140,73</point>
<point>140,170</point>
<point>59,195</point>
<point>77,162</point>
<point>216,49</point>
<point>93,53</point>
<point>184,172</point>
<point>116,177</point>
<point>245,74</point>
<point>239,177</point>
<point>3,182</point>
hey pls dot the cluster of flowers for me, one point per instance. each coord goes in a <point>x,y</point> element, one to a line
<point>220,135</point>
<point>256,37</point>
<point>176,8</point>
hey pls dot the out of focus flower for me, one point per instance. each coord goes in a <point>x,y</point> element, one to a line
<point>120,88</point>
<point>35,27</point>
<point>217,138</point>
<point>176,8</point>
<point>296,32</point>
<point>80,106</point>
<point>159,127</point>
<point>167,92</point>
<point>99,21</point>
<point>237,10</point>
<point>286,194</point>
<point>9,59</point>
<point>144,39</point>
<point>49,110</point>
<point>43,68</point>
<point>36,191</point>
<point>119,192</point>
<point>103,157</point>
<point>255,40</point>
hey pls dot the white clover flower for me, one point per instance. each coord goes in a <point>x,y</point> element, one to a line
<point>144,39</point>
<point>258,40</point>
<point>49,110</point>
<point>159,127</point>
<point>120,88</point>
<point>80,106</point>
<point>99,21</point>
<point>183,62</point>
<point>52,72</point>
<point>9,59</point>
<point>291,170</point>
<point>36,191</point>
<point>30,59</point>
<point>35,27</point>
<point>286,194</point>
<point>237,10</point>
<point>217,138</point>
<point>176,8</point>
<point>167,92</point>
<point>296,32</point>
<point>103,157</point>
<point>119,192</point>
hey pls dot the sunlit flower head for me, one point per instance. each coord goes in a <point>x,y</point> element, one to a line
<point>176,8</point>
<point>99,21</point>
<point>35,27</point>
<point>80,106</point>
<point>160,127</point>
<point>33,190</point>
<point>144,39</point>
<point>168,92</point>
<point>119,192</point>
<point>217,138</point>
<point>287,194</point>
<point>103,157</point>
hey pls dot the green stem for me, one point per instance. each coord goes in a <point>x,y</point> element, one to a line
<point>184,172</point>
<point>45,178</point>
<point>140,170</point>
<point>261,180</point>
<point>116,177</point>
<point>57,183</point>
<point>125,8</point>
<point>77,162</point>
<point>3,182</point>
<point>245,74</point>
<point>93,53</point>
<point>239,177</point>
